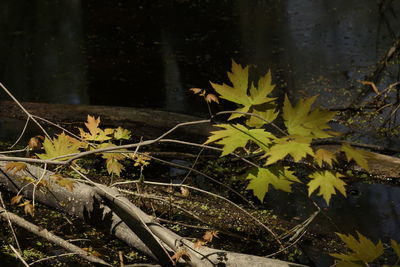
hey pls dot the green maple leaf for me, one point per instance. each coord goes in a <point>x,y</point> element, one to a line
<point>121,133</point>
<point>235,136</point>
<point>62,145</point>
<point>327,183</point>
<point>363,249</point>
<point>300,120</point>
<point>250,100</point>
<point>112,159</point>
<point>359,156</point>
<point>295,146</point>
<point>260,179</point>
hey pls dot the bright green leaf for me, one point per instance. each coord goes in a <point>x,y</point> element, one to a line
<point>359,156</point>
<point>362,249</point>
<point>121,133</point>
<point>247,98</point>
<point>300,120</point>
<point>297,147</point>
<point>62,145</point>
<point>327,183</point>
<point>235,136</point>
<point>260,179</point>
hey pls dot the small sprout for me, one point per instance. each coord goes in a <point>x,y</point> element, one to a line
<point>34,143</point>
<point>28,208</point>
<point>208,236</point>
<point>198,244</point>
<point>195,90</point>
<point>140,159</point>
<point>212,98</point>
<point>184,192</point>
<point>181,253</point>
<point>16,199</point>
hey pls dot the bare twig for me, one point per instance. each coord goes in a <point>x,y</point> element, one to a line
<point>18,255</point>
<point>22,133</point>
<point>9,222</point>
<point>53,257</point>
<point>216,196</point>
<point>24,110</point>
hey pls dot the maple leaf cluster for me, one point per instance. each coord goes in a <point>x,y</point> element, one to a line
<point>303,124</point>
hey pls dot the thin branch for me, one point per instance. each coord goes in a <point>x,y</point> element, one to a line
<point>14,151</point>
<point>24,110</point>
<point>163,200</point>
<point>204,175</point>
<point>19,256</point>
<point>10,223</point>
<point>39,231</point>
<point>216,196</point>
<point>53,257</point>
<point>22,133</point>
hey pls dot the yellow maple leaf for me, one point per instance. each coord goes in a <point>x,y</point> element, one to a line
<point>235,136</point>
<point>323,155</point>
<point>296,146</point>
<point>121,133</point>
<point>248,96</point>
<point>280,178</point>
<point>95,133</point>
<point>62,145</point>
<point>300,120</point>
<point>362,249</point>
<point>113,166</point>
<point>359,156</point>
<point>327,183</point>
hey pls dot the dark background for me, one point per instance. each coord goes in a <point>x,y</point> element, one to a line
<point>149,53</point>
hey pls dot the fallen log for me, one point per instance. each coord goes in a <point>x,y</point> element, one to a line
<point>145,122</point>
<point>85,202</point>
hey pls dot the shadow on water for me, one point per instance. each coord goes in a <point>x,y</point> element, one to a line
<point>148,53</point>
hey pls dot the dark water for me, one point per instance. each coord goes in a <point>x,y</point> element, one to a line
<point>145,53</point>
<point>148,53</point>
<point>372,209</point>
